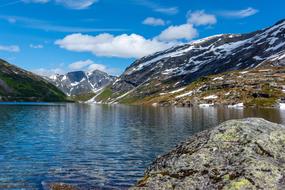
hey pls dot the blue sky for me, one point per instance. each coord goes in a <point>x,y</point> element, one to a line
<point>48,36</point>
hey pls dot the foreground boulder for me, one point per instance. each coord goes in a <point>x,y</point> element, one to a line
<point>238,154</point>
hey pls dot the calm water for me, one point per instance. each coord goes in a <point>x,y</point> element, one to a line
<point>95,146</point>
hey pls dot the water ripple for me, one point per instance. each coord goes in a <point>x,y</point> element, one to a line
<point>94,146</point>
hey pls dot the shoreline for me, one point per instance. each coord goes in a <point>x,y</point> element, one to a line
<point>235,106</point>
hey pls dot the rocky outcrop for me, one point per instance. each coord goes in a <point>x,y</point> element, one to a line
<point>238,154</point>
<point>261,87</point>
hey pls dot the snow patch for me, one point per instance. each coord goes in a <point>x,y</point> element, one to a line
<point>274,48</point>
<point>257,58</point>
<point>282,106</point>
<point>228,93</point>
<point>239,105</point>
<point>206,105</point>
<point>218,78</point>
<point>64,78</point>
<point>74,84</point>
<point>53,77</point>
<point>281,57</point>
<point>243,72</point>
<point>186,94</point>
<point>93,100</point>
<point>212,97</point>
<point>175,91</point>
<point>283,89</point>
<point>155,104</point>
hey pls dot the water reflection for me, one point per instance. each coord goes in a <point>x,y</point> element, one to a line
<point>97,145</point>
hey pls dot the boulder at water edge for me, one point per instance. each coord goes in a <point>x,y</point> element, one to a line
<point>238,154</point>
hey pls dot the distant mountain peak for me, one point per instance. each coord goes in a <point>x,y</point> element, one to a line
<point>80,82</point>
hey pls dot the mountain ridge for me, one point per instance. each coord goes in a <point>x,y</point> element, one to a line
<point>181,65</point>
<point>17,84</point>
<point>80,82</point>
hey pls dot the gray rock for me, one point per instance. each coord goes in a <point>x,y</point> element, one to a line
<point>238,154</point>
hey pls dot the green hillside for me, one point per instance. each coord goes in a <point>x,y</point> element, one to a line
<point>19,85</point>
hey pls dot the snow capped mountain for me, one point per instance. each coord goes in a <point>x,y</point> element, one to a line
<point>211,55</point>
<point>181,65</point>
<point>80,82</point>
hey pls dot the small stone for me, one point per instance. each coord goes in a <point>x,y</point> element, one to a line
<point>60,186</point>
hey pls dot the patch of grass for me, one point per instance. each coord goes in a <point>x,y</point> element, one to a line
<point>266,89</point>
<point>105,94</point>
<point>83,97</point>
<point>262,102</point>
<point>129,100</point>
<point>273,96</point>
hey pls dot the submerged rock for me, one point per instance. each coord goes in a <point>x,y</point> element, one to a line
<point>60,186</point>
<point>238,154</point>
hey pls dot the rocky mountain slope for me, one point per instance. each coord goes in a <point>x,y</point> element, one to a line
<point>238,154</point>
<point>179,66</point>
<point>19,85</point>
<point>262,86</point>
<point>80,82</point>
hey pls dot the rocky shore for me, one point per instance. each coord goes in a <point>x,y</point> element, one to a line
<point>238,154</point>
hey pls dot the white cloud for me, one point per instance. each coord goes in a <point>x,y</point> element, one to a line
<point>154,21</point>
<point>169,10</point>
<point>37,46</point>
<point>11,20</point>
<point>47,26</point>
<point>181,32</point>
<point>134,45</point>
<point>35,1</point>
<point>200,18</point>
<point>77,4</point>
<point>72,4</point>
<point>99,67</point>
<point>11,48</point>
<point>48,72</point>
<point>89,65</point>
<point>80,64</point>
<point>124,46</point>
<point>158,7</point>
<point>240,13</point>
<point>9,3</point>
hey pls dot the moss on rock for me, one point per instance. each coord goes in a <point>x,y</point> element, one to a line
<point>237,155</point>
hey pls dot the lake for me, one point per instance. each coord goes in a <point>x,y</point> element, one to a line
<point>97,146</point>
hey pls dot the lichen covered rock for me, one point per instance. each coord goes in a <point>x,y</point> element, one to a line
<point>238,154</point>
<point>60,186</point>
